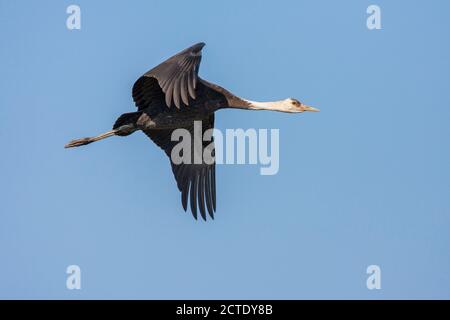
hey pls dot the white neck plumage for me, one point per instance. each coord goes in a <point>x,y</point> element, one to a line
<point>281,105</point>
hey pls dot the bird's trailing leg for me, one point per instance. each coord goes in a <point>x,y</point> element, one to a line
<point>84,141</point>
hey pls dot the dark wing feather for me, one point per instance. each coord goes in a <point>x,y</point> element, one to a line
<point>147,94</point>
<point>178,75</point>
<point>195,180</point>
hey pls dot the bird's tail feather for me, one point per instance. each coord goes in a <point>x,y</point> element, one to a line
<point>84,141</point>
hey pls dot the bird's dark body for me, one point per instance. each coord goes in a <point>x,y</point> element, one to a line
<point>160,116</point>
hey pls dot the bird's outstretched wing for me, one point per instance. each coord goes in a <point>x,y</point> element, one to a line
<point>194,180</point>
<point>178,75</point>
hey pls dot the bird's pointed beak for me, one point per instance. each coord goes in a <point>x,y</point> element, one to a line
<point>308,108</point>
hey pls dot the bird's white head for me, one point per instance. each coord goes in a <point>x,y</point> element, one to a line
<point>295,106</point>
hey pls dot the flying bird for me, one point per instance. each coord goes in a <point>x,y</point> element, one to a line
<point>172,96</point>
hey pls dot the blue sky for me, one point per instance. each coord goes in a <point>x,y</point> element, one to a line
<point>366,181</point>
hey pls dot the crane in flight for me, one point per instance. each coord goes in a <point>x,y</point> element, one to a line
<point>172,96</point>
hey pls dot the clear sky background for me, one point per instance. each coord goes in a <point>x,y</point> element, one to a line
<point>366,181</point>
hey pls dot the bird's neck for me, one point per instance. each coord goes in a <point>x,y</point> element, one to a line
<point>233,101</point>
<point>280,105</point>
